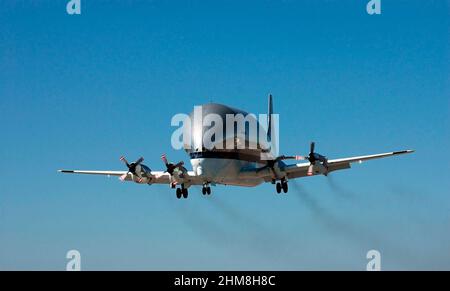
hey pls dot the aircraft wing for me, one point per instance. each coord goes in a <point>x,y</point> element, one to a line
<point>301,169</point>
<point>154,177</point>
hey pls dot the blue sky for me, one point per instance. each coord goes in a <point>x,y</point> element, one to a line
<point>80,91</point>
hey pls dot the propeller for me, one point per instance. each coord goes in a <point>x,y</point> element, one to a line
<point>313,157</point>
<point>131,167</point>
<point>170,167</point>
<point>271,163</point>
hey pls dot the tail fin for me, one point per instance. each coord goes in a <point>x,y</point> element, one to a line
<point>269,119</point>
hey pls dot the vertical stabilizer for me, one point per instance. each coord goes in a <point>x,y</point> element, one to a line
<point>269,119</point>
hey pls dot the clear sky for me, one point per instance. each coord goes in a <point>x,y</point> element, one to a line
<point>80,91</point>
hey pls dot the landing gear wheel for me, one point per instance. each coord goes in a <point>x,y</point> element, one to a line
<point>178,193</point>
<point>284,185</point>
<point>185,192</point>
<point>208,190</point>
<point>278,186</point>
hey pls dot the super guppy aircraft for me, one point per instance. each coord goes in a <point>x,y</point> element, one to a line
<point>238,167</point>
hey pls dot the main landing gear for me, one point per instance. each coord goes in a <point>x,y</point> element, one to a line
<point>182,192</point>
<point>206,190</point>
<point>282,185</point>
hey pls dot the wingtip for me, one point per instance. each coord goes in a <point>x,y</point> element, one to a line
<point>65,171</point>
<point>404,152</point>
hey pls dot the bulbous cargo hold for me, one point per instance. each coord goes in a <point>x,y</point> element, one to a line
<point>232,133</point>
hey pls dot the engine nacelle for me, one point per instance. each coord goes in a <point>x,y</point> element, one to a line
<point>143,174</point>
<point>319,168</point>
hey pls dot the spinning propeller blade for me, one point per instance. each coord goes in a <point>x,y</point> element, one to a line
<point>170,168</point>
<point>131,167</point>
<point>310,170</point>
<point>311,148</point>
